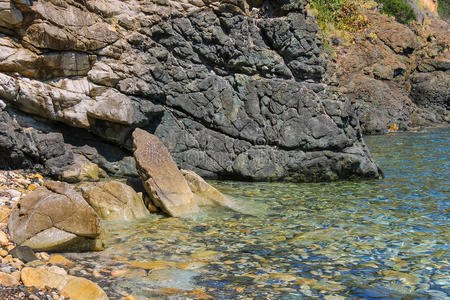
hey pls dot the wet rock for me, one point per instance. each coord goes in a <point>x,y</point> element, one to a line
<point>283,277</point>
<point>162,179</point>
<point>115,201</point>
<point>24,253</point>
<point>76,288</point>
<point>204,194</point>
<point>161,264</point>
<point>55,218</point>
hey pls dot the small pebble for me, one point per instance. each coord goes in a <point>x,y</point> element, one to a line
<point>3,252</point>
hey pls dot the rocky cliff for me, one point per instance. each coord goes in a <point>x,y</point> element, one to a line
<point>231,87</point>
<point>396,76</point>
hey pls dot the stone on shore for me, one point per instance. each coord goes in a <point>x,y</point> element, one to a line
<point>72,287</point>
<point>7,279</point>
<point>162,179</point>
<point>60,260</point>
<point>115,201</point>
<point>4,213</point>
<point>204,194</point>
<point>82,170</point>
<point>4,241</point>
<point>55,218</point>
<point>24,253</point>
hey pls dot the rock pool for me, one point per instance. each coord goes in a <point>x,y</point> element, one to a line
<point>344,240</point>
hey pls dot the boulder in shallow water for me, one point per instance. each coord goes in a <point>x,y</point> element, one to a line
<point>204,194</point>
<point>162,179</point>
<point>115,201</point>
<point>55,218</point>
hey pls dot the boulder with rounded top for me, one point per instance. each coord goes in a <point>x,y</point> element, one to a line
<point>55,218</point>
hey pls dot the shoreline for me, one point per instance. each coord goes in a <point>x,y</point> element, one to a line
<point>87,267</point>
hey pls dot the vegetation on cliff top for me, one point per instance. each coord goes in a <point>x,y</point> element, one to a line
<point>444,8</point>
<point>400,9</point>
<point>345,14</point>
<point>342,14</point>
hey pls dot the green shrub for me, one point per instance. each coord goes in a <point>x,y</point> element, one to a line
<point>444,9</point>
<point>342,14</point>
<point>400,9</point>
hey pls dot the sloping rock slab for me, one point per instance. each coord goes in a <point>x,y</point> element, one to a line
<point>162,179</point>
<point>115,201</point>
<point>55,218</point>
<point>204,194</point>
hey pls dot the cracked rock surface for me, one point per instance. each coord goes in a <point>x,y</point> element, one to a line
<point>396,76</point>
<point>232,88</point>
<point>55,218</point>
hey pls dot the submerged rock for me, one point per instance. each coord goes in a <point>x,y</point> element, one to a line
<point>162,179</point>
<point>204,194</point>
<point>55,218</point>
<point>115,201</point>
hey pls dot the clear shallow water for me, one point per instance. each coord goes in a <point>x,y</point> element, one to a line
<point>385,239</point>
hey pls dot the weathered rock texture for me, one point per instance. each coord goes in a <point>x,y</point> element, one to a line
<point>162,180</point>
<point>205,195</point>
<point>230,87</point>
<point>29,148</point>
<point>55,218</point>
<point>72,287</point>
<point>115,201</point>
<point>82,170</point>
<point>396,76</point>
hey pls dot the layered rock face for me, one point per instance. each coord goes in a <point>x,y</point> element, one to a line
<point>230,87</point>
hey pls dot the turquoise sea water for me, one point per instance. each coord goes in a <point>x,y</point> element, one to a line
<point>384,239</point>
